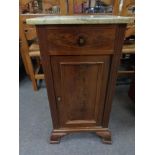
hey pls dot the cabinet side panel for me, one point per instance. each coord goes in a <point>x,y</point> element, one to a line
<point>119,39</point>
<point>45,60</point>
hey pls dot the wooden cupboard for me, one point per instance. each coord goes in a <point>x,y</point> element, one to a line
<point>80,73</point>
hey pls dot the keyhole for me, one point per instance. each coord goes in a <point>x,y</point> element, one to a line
<point>58,98</point>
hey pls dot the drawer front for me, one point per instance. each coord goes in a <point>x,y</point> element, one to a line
<point>83,40</point>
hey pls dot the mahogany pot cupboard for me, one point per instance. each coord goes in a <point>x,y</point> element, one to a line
<point>80,64</point>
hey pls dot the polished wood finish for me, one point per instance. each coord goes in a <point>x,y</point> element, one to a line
<point>128,49</point>
<point>82,40</point>
<point>129,46</point>
<point>39,76</point>
<point>127,11</point>
<point>80,86</point>
<point>116,4</point>
<point>106,137</point>
<point>126,73</point>
<point>63,7</point>
<point>126,8</point>
<point>27,61</point>
<point>55,137</point>
<point>70,7</point>
<point>28,34</point>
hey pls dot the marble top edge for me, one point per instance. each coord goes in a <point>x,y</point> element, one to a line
<point>84,19</point>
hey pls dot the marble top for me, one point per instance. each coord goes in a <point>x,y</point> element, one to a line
<point>78,19</point>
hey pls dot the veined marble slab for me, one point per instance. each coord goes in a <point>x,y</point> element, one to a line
<point>78,19</point>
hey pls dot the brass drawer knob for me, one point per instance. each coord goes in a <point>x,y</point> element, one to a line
<point>81,41</point>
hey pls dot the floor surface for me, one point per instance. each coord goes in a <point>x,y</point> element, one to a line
<point>35,127</point>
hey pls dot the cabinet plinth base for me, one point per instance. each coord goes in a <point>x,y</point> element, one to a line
<point>106,137</point>
<point>57,134</point>
<point>56,137</point>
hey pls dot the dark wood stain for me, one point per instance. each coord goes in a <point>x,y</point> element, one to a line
<point>80,65</point>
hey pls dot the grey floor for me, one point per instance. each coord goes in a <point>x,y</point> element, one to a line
<point>35,127</point>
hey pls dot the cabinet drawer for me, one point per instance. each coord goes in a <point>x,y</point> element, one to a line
<point>81,40</point>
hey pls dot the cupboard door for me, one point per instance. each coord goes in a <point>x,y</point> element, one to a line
<point>80,88</point>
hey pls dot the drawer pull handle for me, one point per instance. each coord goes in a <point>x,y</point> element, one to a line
<point>81,41</point>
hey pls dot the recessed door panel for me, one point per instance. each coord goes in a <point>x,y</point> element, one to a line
<point>80,87</point>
